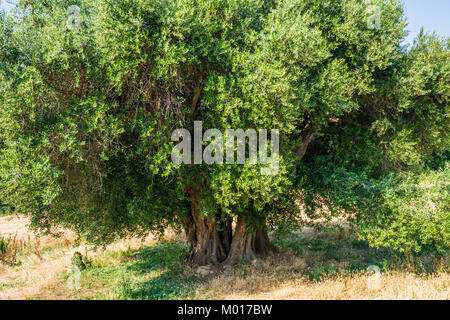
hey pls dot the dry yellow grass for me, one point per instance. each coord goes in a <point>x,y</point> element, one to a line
<point>278,279</point>
<point>36,271</point>
<point>35,276</point>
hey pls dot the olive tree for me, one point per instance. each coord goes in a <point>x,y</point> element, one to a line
<point>92,91</point>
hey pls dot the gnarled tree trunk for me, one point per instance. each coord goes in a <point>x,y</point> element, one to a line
<point>210,240</point>
<point>246,246</point>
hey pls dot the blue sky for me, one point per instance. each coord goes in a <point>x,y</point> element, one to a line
<point>434,15</point>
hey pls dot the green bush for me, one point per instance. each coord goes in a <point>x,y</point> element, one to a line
<point>414,213</point>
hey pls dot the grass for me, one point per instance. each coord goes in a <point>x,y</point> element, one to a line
<point>156,272</point>
<point>331,268</point>
<point>11,249</point>
<point>13,284</point>
<point>329,256</point>
<point>161,271</point>
<point>5,211</point>
<point>325,266</point>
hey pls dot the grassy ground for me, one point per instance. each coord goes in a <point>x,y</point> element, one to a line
<point>325,266</point>
<point>154,272</point>
<point>306,268</point>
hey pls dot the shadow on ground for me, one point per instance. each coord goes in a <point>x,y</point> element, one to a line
<point>162,271</point>
<point>326,257</point>
<point>155,273</point>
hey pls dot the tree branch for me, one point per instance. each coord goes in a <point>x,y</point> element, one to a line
<point>303,144</point>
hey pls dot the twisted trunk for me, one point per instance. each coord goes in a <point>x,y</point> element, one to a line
<point>246,247</point>
<point>210,240</point>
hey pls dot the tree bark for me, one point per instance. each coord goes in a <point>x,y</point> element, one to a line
<point>210,240</point>
<point>303,144</point>
<point>246,247</point>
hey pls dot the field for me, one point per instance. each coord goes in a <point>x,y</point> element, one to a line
<point>310,265</point>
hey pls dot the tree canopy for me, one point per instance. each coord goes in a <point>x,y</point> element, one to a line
<point>86,117</point>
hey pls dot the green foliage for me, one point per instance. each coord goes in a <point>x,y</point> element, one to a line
<point>405,211</point>
<point>413,214</point>
<point>5,210</point>
<point>387,163</point>
<point>77,261</point>
<point>86,115</point>
<point>3,245</point>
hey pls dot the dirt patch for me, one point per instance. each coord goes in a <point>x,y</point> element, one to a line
<point>12,225</point>
<point>36,274</point>
<point>34,271</point>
